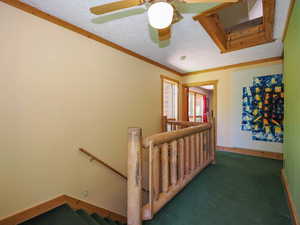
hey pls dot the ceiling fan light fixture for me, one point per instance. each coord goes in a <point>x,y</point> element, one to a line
<point>160,15</point>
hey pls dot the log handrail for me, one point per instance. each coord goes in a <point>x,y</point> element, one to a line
<point>160,138</point>
<point>173,124</point>
<point>174,159</point>
<point>101,162</point>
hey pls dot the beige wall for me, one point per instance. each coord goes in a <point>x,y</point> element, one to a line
<point>61,91</point>
<point>229,104</point>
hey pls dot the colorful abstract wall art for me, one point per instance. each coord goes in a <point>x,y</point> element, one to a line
<point>262,110</point>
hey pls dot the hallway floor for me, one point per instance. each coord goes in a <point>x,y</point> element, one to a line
<point>238,190</point>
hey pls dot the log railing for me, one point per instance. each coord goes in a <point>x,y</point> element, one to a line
<point>173,124</point>
<point>175,158</point>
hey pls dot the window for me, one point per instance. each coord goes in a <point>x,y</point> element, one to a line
<point>196,106</point>
<point>170,98</point>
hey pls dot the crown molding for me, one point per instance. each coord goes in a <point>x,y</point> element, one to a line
<point>36,12</point>
<point>249,63</point>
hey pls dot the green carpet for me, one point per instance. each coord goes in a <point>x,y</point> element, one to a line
<point>238,190</point>
<point>64,215</point>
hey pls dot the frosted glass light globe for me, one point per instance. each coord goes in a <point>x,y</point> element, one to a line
<point>160,15</point>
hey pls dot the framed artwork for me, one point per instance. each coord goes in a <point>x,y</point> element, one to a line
<point>263,108</point>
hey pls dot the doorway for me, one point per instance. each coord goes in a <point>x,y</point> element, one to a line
<point>199,101</point>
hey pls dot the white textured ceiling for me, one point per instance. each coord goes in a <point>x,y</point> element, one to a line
<point>188,37</point>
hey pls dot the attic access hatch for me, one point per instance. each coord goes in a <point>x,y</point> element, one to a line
<point>235,26</point>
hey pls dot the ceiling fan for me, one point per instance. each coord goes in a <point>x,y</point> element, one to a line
<point>161,13</point>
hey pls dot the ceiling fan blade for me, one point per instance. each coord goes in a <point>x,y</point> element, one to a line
<point>164,34</point>
<point>209,1</point>
<point>193,8</point>
<point>118,15</point>
<point>109,7</point>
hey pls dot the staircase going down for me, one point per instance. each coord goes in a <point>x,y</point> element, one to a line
<point>65,215</point>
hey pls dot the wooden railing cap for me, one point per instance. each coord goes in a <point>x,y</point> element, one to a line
<point>164,137</point>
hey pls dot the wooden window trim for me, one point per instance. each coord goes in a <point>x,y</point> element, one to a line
<point>195,93</point>
<point>171,80</point>
<point>163,77</point>
<point>248,37</point>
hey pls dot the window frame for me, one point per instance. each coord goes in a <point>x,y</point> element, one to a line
<point>195,116</point>
<point>172,81</point>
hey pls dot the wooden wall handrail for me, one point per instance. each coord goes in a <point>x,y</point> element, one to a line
<point>105,164</point>
<point>173,135</point>
<point>101,162</point>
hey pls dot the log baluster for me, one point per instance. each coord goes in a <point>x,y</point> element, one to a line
<point>197,150</point>
<point>181,159</point>
<point>165,167</point>
<point>187,155</point>
<point>202,148</point>
<point>192,163</point>
<point>156,172</point>
<point>207,145</point>
<point>174,162</point>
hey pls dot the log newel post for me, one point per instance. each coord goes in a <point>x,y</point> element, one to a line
<point>134,185</point>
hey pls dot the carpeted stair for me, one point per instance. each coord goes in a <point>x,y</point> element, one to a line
<point>65,215</point>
